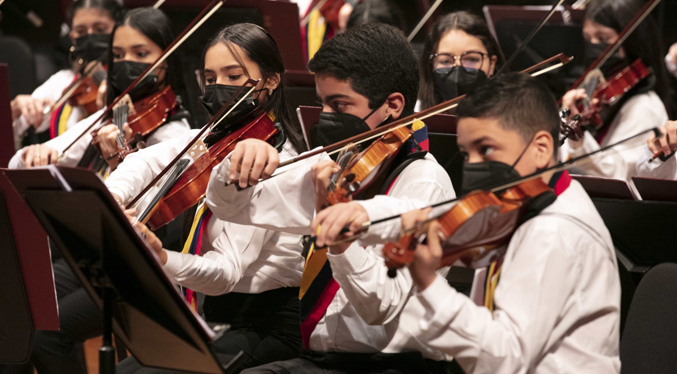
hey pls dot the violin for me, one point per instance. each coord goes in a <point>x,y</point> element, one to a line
<point>475,231</point>
<point>145,116</point>
<point>87,90</point>
<point>191,184</point>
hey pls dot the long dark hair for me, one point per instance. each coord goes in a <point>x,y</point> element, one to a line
<point>645,42</point>
<point>112,7</point>
<point>261,48</point>
<point>155,25</point>
<point>463,21</point>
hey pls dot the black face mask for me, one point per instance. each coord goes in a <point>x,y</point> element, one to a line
<point>334,127</point>
<point>593,51</point>
<point>124,73</point>
<point>216,96</point>
<point>456,81</point>
<point>90,47</point>
<point>489,174</point>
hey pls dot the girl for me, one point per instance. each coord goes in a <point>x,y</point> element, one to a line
<point>639,109</point>
<point>459,54</point>
<point>91,23</point>
<point>250,274</point>
<point>137,42</point>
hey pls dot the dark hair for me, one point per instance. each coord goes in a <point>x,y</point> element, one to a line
<point>375,59</point>
<point>379,11</point>
<point>113,7</point>
<point>262,49</point>
<point>463,21</point>
<point>645,42</point>
<point>155,25</point>
<point>519,103</point>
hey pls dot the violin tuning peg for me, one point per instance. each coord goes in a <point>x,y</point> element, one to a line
<point>350,177</point>
<point>353,187</point>
<point>564,114</point>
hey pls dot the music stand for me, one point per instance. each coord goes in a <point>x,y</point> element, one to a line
<point>606,188</point>
<point>656,189</point>
<point>120,272</point>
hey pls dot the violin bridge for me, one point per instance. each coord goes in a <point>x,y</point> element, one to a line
<point>197,150</point>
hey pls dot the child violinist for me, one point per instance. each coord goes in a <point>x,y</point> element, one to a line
<point>641,108</point>
<point>458,55</point>
<point>551,302</point>
<point>138,40</point>
<point>250,275</point>
<point>339,334</point>
<point>91,23</point>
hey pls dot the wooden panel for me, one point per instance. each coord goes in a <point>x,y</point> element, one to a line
<point>6,131</point>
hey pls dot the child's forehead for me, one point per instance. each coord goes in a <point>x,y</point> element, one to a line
<point>471,130</point>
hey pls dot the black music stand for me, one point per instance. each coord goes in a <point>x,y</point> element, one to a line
<point>656,189</point>
<point>120,272</point>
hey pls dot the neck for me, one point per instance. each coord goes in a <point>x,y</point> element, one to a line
<point>547,176</point>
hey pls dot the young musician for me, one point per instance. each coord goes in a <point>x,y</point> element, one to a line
<point>459,54</point>
<point>555,307</point>
<point>138,41</point>
<point>365,77</point>
<point>639,109</point>
<point>91,23</point>
<point>251,275</point>
<point>664,166</point>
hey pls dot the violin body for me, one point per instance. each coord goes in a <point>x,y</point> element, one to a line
<point>85,95</point>
<point>377,156</point>
<point>191,186</point>
<point>475,231</point>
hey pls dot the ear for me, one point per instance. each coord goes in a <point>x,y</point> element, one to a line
<point>545,146</point>
<point>492,65</point>
<point>395,105</point>
<point>272,83</point>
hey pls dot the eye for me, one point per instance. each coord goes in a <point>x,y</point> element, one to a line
<point>117,56</point>
<point>235,77</point>
<point>339,106</point>
<point>210,81</point>
<point>142,54</point>
<point>486,150</point>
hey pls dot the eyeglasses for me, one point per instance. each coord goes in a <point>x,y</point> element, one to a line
<point>468,60</point>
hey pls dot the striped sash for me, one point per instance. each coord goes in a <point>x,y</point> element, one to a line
<point>193,245</point>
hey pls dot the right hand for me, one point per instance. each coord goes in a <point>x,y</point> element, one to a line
<point>666,143</point>
<point>31,108</point>
<point>672,57</point>
<point>39,155</point>
<point>254,159</point>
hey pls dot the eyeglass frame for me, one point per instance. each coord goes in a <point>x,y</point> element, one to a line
<point>458,58</point>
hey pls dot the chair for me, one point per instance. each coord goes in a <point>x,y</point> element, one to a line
<point>17,54</point>
<point>649,343</point>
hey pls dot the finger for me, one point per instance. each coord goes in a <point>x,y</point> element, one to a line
<point>28,155</point>
<point>258,166</point>
<point>53,156</point>
<point>273,162</point>
<point>246,165</point>
<point>357,220</point>
<point>235,159</point>
<point>45,154</point>
<point>672,137</point>
<point>319,219</point>
<point>434,238</point>
<point>664,146</point>
<point>331,231</point>
<point>328,219</point>
<point>128,131</point>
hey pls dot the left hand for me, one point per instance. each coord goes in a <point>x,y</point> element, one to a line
<point>108,144</point>
<point>427,258</point>
<point>333,219</point>
<point>153,240</point>
<point>320,174</point>
<point>101,95</point>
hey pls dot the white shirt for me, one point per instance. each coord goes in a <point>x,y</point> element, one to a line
<point>556,304</point>
<point>641,112</point>
<point>52,89</point>
<point>656,169</point>
<point>235,258</point>
<point>365,315</point>
<point>169,130</point>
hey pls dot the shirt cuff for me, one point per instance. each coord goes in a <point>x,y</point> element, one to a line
<point>432,298</point>
<point>349,261</point>
<point>173,265</point>
<point>119,192</point>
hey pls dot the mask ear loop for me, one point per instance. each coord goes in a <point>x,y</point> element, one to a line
<point>374,111</point>
<point>524,151</point>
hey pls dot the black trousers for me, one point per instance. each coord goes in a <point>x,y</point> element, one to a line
<point>58,352</point>
<point>358,363</point>
<point>265,326</point>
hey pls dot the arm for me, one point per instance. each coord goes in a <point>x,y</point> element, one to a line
<point>667,144</point>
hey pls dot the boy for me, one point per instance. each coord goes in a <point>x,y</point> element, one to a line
<point>365,77</point>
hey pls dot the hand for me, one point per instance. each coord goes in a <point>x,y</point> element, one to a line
<point>101,94</point>
<point>666,143</point>
<point>427,259</point>
<point>254,159</point>
<point>31,108</point>
<point>334,219</point>
<point>320,174</point>
<point>39,155</point>
<point>343,16</point>
<point>153,240</point>
<point>108,144</point>
<point>570,99</point>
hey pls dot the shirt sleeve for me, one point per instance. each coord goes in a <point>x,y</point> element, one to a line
<point>168,131</point>
<point>536,285</point>
<point>656,169</point>
<point>282,203</point>
<point>220,269</point>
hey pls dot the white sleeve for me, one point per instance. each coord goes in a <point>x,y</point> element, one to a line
<point>656,169</point>
<point>530,296</point>
<point>168,131</point>
<point>220,269</point>
<point>282,203</point>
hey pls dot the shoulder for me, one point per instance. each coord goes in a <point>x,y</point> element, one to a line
<point>647,103</point>
<point>426,171</point>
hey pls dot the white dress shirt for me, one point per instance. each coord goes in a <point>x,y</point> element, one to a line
<point>235,258</point>
<point>366,312</point>
<point>641,112</point>
<point>556,304</point>
<point>52,89</point>
<point>656,169</point>
<point>169,130</point>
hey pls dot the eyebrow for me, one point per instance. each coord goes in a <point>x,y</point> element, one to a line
<point>334,97</point>
<point>480,140</point>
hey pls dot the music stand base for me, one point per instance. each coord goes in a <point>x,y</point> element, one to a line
<point>107,352</point>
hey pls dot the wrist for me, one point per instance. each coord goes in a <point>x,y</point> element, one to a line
<point>423,278</point>
<point>163,256</point>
